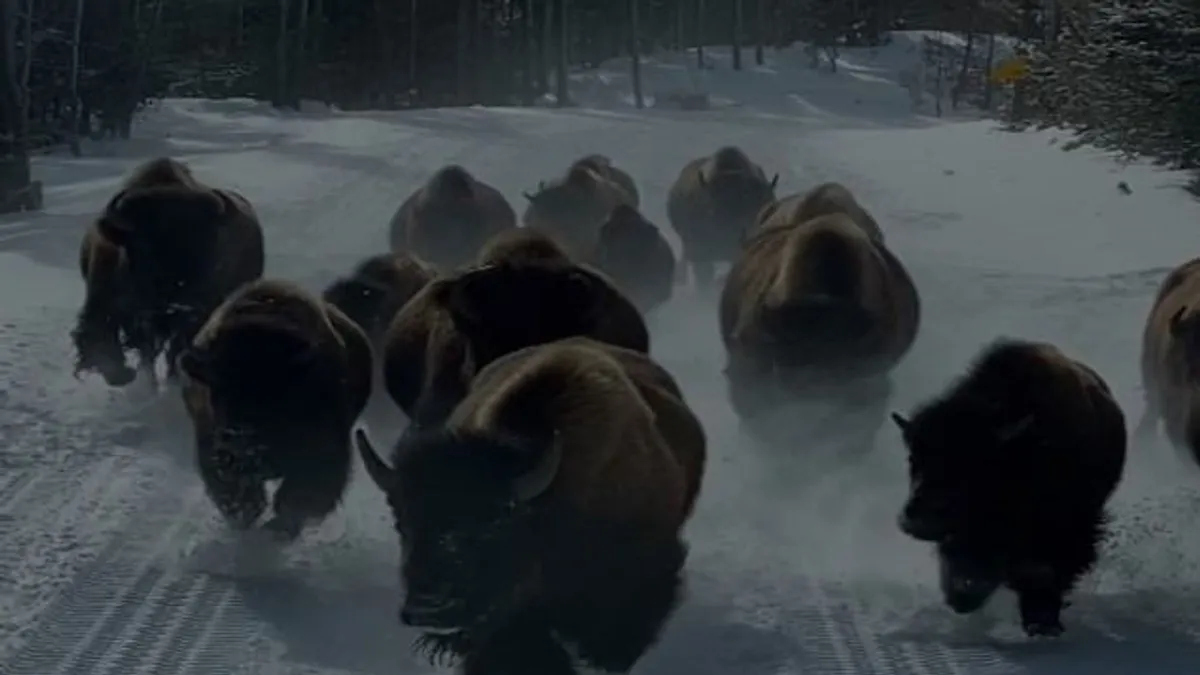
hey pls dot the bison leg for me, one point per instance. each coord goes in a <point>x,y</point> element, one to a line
<point>1042,582</point>
<point>98,347</point>
<point>519,648</point>
<point>1040,595</point>
<point>310,491</point>
<point>239,494</point>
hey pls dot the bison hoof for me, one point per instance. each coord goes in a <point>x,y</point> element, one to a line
<point>1044,629</point>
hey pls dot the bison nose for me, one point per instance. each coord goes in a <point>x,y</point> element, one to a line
<point>921,529</point>
<point>421,610</point>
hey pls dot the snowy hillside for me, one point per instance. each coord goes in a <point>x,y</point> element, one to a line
<point>113,563</point>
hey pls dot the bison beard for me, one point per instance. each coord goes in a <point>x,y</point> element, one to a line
<point>1010,477</point>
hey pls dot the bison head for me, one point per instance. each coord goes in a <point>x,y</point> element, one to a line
<point>263,375</point>
<point>738,197</point>
<point>365,301</point>
<point>505,307</point>
<point>955,460</point>
<point>577,204</point>
<point>169,235</point>
<point>466,509</point>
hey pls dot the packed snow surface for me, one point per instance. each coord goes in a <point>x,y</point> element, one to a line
<point>113,563</point>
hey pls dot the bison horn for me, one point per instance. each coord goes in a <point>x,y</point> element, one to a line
<point>1176,321</point>
<point>901,421</point>
<point>528,196</point>
<point>1008,433</point>
<point>538,479</point>
<point>381,474</point>
<point>775,181</point>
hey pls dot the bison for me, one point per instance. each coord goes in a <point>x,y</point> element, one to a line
<point>713,201</point>
<point>573,207</point>
<point>823,199</point>
<point>503,306</point>
<point>547,513</point>
<point>447,219</point>
<point>163,254</point>
<point>522,244</point>
<point>377,288</point>
<point>603,164</point>
<point>275,380</point>
<point>815,307</point>
<point>633,251</point>
<point>1170,360</point>
<point>1011,469</point>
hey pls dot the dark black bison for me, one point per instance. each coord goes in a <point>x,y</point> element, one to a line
<point>1011,470</point>
<point>573,207</point>
<point>822,200</point>
<point>633,252</point>
<point>815,308</point>
<point>714,201</point>
<point>447,219</point>
<point>506,306</point>
<point>275,381</point>
<point>377,288</point>
<point>547,514</point>
<point>164,253</point>
<point>1170,362</point>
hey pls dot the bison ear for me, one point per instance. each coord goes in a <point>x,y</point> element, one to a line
<point>902,422</point>
<point>529,196</point>
<point>196,366</point>
<point>775,182</point>
<point>1175,323</point>
<point>111,228</point>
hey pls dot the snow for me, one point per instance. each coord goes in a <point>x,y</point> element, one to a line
<point>112,561</point>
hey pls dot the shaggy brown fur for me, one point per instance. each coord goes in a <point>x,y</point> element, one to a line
<point>164,253</point>
<point>822,200</point>
<point>428,358</point>
<point>573,207</point>
<point>633,251</point>
<point>523,513</point>
<point>712,202</point>
<point>815,302</point>
<point>447,219</point>
<point>276,379</point>
<point>521,244</point>
<point>1170,362</point>
<point>603,164</point>
<point>1011,469</point>
<point>377,289</point>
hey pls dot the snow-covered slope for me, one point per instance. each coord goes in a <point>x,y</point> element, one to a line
<point>112,562</point>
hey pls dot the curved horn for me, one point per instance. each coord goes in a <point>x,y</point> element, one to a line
<point>775,181</point>
<point>538,479</point>
<point>528,196</point>
<point>381,474</point>
<point>1175,323</point>
<point>901,421</point>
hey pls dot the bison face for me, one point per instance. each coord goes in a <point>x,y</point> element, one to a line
<point>738,198</point>
<point>567,208</point>
<point>465,507</point>
<point>937,478</point>
<point>506,307</point>
<point>168,235</point>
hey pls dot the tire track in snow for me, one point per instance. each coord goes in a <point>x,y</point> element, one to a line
<point>130,611</point>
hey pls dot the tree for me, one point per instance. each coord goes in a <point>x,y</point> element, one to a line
<point>635,53</point>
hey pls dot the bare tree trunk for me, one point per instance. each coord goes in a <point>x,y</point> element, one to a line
<point>531,59</point>
<point>76,100</point>
<point>680,23</point>
<point>989,88</point>
<point>635,53</point>
<point>463,52</point>
<point>735,44</point>
<point>300,68</point>
<point>282,73</point>
<point>564,45</point>
<point>26,65</point>
<point>413,6</point>
<point>700,34</point>
<point>760,31</point>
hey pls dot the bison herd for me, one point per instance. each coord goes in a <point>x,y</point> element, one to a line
<point>543,437</point>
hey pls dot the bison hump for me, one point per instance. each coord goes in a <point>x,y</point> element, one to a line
<point>451,181</point>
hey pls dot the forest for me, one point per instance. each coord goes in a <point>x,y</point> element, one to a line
<point>1121,73</point>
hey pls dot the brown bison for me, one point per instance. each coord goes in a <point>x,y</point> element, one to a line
<point>712,203</point>
<point>822,200</point>
<point>633,252</point>
<point>1170,361</point>
<point>603,164</point>
<point>547,514</point>
<point>275,380</point>
<point>1011,470</point>
<point>812,307</point>
<point>164,253</point>
<point>503,306</point>
<point>522,244</point>
<point>573,207</point>
<point>447,219</point>
<point>377,288</point>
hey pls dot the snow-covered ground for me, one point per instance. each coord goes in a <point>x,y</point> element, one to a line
<point>113,563</point>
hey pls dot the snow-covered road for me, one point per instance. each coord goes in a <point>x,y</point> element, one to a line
<point>113,563</point>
